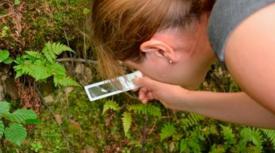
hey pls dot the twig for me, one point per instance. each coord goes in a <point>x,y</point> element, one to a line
<point>80,60</point>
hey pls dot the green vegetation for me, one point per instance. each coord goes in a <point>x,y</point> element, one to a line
<point>11,124</point>
<point>37,74</point>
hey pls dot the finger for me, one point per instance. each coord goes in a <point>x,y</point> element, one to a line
<point>142,95</point>
<point>147,82</point>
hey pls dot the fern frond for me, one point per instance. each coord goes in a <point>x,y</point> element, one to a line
<point>21,116</point>
<point>4,108</point>
<point>110,105</point>
<point>145,109</point>
<point>228,135</point>
<point>153,110</point>
<point>52,50</point>
<point>36,69</point>
<point>270,134</point>
<point>250,135</point>
<point>2,129</point>
<point>191,120</point>
<point>65,82</point>
<point>127,122</point>
<point>15,133</point>
<point>167,131</point>
<point>34,54</point>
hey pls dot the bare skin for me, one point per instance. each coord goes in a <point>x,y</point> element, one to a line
<point>250,58</point>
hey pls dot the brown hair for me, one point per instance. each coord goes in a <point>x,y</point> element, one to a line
<point>120,26</point>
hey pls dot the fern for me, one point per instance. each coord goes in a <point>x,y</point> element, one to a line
<point>146,110</point>
<point>229,136</point>
<point>250,135</point>
<point>110,105</point>
<point>64,81</point>
<point>43,65</point>
<point>192,143</point>
<point>15,133</point>
<point>191,120</point>
<point>127,122</point>
<point>270,134</point>
<point>52,50</point>
<point>167,131</point>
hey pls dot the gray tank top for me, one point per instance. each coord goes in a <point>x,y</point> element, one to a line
<point>226,16</point>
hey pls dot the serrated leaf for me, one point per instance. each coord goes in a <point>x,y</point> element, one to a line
<point>228,135</point>
<point>4,108</point>
<point>167,131</point>
<point>146,109</point>
<point>15,133</point>
<point>52,50</point>
<point>64,81</point>
<point>8,61</point>
<point>34,54</point>
<point>110,105</point>
<point>39,71</point>
<point>4,55</point>
<point>127,122</point>
<point>22,115</point>
<point>57,69</point>
<point>270,135</point>
<point>2,129</point>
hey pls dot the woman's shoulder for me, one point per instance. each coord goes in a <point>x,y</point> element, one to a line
<point>226,16</point>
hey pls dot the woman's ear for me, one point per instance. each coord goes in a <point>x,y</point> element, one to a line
<point>159,48</point>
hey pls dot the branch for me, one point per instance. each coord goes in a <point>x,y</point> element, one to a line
<point>80,60</point>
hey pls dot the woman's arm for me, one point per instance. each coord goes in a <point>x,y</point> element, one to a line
<point>230,107</point>
<point>250,56</point>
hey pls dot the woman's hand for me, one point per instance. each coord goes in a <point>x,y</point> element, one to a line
<point>171,96</point>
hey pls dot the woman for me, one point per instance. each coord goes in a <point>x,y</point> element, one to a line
<point>173,43</point>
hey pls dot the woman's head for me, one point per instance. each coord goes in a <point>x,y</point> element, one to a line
<point>139,31</point>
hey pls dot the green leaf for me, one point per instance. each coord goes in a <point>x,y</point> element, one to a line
<point>36,69</point>
<point>52,50</point>
<point>249,135</point>
<point>228,135</point>
<point>110,105</point>
<point>4,108</point>
<point>22,116</point>
<point>2,128</point>
<point>127,122</point>
<point>15,133</point>
<point>4,55</point>
<point>34,54</point>
<point>64,81</point>
<point>57,69</point>
<point>39,71</point>
<point>8,61</point>
<point>270,135</point>
<point>167,131</point>
<point>146,109</point>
